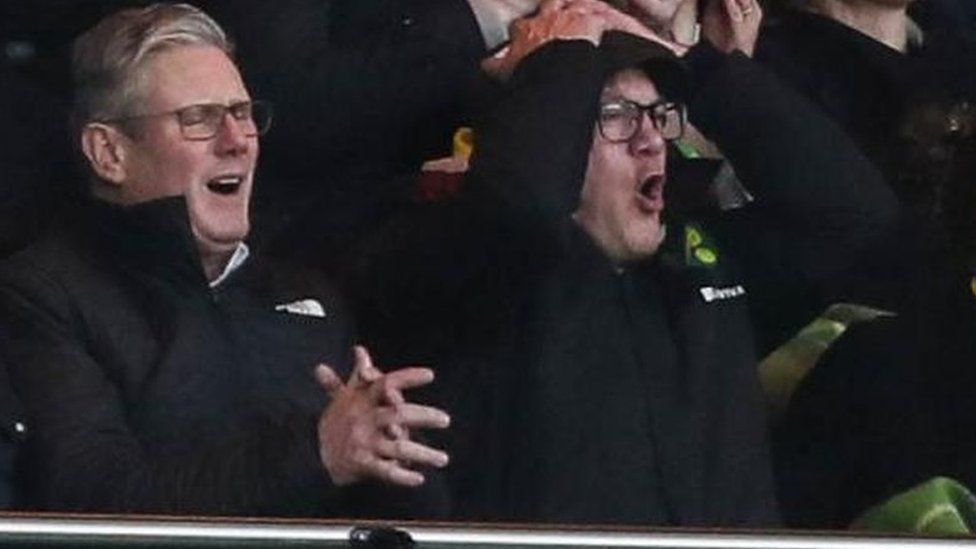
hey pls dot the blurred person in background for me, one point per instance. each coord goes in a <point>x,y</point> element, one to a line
<point>890,405</point>
<point>871,65</point>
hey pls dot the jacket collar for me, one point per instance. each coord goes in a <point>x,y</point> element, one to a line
<point>152,238</point>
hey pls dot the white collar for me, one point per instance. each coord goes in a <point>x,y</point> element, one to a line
<point>240,256</point>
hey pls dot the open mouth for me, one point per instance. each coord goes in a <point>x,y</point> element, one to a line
<point>225,184</point>
<point>651,192</point>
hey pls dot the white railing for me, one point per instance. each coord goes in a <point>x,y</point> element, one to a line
<point>19,530</point>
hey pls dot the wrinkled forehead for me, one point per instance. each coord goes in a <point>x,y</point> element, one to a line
<point>632,84</point>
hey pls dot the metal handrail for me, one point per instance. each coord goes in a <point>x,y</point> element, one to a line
<point>20,530</point>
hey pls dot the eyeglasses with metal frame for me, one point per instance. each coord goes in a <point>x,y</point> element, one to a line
<point>201,122</point>
<point>620,120</point>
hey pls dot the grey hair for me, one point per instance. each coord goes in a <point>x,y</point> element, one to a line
<point>107,59</point>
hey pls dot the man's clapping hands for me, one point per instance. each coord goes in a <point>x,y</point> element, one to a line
<point>365,431</point>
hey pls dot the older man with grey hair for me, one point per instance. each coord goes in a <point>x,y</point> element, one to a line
<point>162,368</point>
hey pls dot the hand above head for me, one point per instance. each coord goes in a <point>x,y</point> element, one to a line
<point>364,432</point>
<point>657,14</point>
<point>619,21</point>
<point>563,20</point>
<point>555,20</point>
<point>732,24</point>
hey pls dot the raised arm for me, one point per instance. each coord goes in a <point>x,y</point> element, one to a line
<point>530,156</point>
<point>820,204</point>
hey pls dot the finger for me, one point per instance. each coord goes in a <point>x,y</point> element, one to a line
<point>390,392</point>
<point>580,10</point>
<point>414,416</point>
<point>732,9</point>
<point>616,20</point>
<point>396,431</point>
<point>364,372</point>
<point>549,6</point>
<point>394,473</point>
<point>327,378</point>
<point>386,393</point>
<point>621,21</point>
<point>517,30</point>
<point>412,452</point>
<point>408,378</point>
<point>746,6</point>
<point>755,10</point>
<point>587,7</point>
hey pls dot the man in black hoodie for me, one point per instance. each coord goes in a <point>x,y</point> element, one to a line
<point>599,368</point>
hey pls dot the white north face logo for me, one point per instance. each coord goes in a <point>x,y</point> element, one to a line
<point>710,293</point>
<point>306,307</point>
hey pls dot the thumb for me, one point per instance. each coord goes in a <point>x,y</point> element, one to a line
<point>733,10</point>
<point>363,370</point>
<point>327,378</point>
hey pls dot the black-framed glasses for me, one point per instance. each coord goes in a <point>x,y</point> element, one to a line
<point>621,119</point>
<point>202,121</point>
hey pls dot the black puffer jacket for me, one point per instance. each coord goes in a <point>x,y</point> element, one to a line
<point>146,390</point>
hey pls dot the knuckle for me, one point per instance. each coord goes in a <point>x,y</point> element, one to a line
<point>401,447</point>
<point>518,27</point>
<point>390,474</point>
<point>398,413</point>
<point>386,385</point>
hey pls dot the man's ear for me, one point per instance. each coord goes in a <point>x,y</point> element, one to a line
<point>104,147</point>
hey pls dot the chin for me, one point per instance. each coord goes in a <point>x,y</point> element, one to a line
<point>639,250</point>
<point>221,238</point>
<point>643,252</point>
<point>645,240</point>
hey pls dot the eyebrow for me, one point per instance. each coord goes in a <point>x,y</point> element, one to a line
<point>614,97</point>
<point>225,102</point>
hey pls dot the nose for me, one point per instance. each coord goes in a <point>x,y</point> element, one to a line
<point>232,140</point>
<point>648,140</point>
